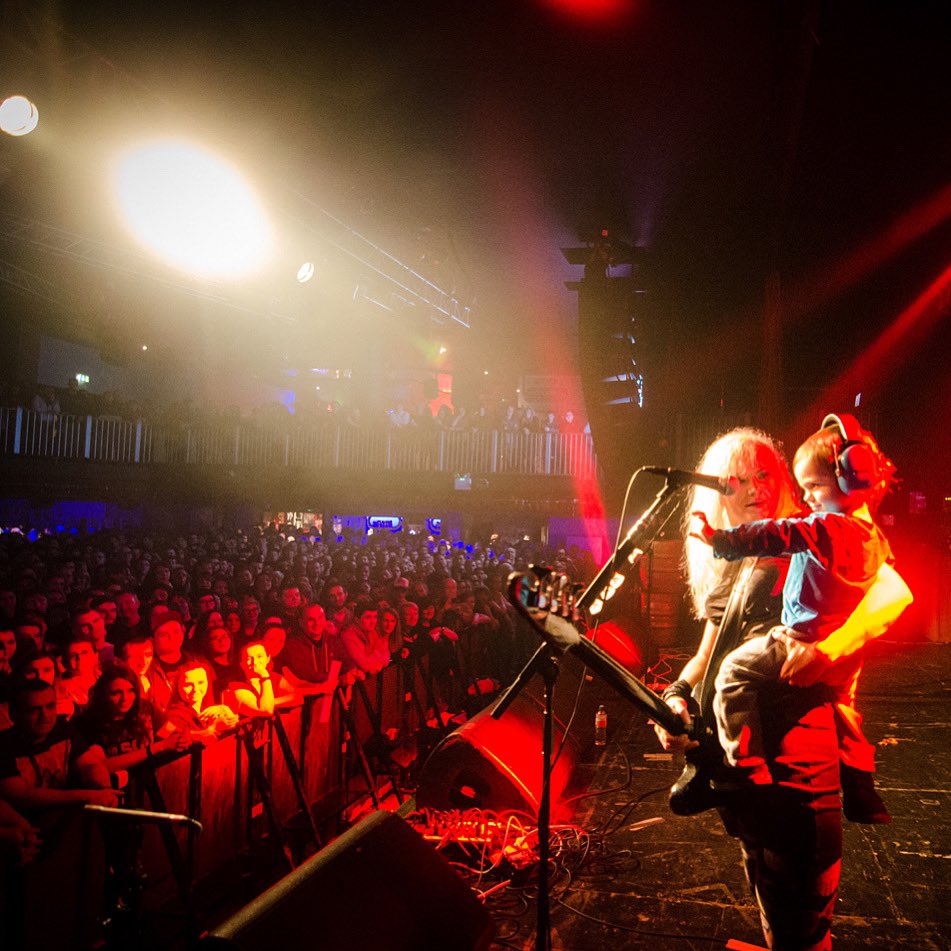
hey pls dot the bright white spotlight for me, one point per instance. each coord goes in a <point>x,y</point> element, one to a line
<point>193,209</point>
<point>18,116</point>
<point>305,272</point>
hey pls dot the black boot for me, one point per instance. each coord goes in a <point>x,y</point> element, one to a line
<point>860,801</point>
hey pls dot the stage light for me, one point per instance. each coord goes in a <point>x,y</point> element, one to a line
<point>305,272</point>
<point>18,116</point>
<point>192,208</point>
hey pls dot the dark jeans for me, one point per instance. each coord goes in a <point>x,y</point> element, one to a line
<point>791,832</point>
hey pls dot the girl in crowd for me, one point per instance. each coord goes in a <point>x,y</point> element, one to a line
<point>216,646</point>
<point>273,636</point>
<point>119,721</point>
<point>188,713</point>
<point>390,627</point>
<point>259,691</point>
<point>233,624</point>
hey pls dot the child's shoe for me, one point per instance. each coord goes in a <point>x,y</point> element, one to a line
<point>860,801</point>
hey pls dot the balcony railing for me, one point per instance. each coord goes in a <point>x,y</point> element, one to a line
<point>26,433</point>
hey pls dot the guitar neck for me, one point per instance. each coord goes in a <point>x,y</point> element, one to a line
<point>562,635</point>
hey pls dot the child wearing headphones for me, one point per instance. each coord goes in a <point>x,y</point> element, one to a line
<point>836,552</point>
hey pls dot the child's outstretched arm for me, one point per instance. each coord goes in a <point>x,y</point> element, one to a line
<point>704,531</point>
<point>882,605</point>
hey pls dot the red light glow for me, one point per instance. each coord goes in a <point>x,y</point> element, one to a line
<point>873,367</point>
<point>819,288</point>
<point>592,10</point>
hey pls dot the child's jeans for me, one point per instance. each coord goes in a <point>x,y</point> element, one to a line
<point>757,662</point>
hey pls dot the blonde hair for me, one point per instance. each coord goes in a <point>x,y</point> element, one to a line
<point>731,454</point>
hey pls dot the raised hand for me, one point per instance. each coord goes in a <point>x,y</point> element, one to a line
<point>704,533</point>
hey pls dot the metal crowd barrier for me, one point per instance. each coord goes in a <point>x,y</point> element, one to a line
<point>254,791</point>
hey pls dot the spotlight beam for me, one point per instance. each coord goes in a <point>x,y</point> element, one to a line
<point>890,350</point>
<point>401,276</point>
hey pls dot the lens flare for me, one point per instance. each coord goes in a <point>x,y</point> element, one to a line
<point>193,209</point>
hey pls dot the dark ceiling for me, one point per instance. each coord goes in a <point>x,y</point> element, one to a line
<point>730,140</point>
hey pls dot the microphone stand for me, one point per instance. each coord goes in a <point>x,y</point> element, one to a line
<point>544,663</point>
<point>642,533</point>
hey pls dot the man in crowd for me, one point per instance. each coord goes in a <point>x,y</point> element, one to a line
<point>129,621</point>
<point>43,762</point>
<point>308,657</point>
<point>168,636</point>
<point>91,624</point>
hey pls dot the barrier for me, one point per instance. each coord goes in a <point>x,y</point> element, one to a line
<point>323,445</point>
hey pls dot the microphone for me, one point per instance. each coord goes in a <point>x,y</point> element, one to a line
<point>678,477</point>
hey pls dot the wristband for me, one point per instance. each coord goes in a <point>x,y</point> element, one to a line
<point>679,688</point>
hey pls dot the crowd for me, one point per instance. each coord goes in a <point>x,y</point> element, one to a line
<point>49,402</point>
<point>114,648</point>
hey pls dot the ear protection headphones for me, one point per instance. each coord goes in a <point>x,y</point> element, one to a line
<point>858,462</point>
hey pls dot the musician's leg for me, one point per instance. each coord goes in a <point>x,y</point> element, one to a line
<point>792,854</point>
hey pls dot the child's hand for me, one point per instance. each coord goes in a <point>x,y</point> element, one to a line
<point>705,532</point>
<point>804,665</point>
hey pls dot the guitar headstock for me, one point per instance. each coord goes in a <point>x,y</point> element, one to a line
<point>542,591</point>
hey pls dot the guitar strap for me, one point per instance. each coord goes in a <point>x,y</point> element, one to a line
<point>728,635</point>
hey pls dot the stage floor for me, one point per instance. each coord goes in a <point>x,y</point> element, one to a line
<point>653,880</point>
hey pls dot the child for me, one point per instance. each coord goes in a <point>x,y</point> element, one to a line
<point>837,553</point>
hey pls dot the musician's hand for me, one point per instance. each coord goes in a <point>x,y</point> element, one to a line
<point>679,742</point>
<point>705,532</point>
<point>804,665</point>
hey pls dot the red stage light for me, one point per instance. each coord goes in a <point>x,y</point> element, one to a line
<point>873,367</point>
<point>593,10</point>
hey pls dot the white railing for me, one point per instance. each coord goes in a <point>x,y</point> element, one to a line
<point>24,432</point>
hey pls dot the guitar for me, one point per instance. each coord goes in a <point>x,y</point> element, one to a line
<point>549,603</point>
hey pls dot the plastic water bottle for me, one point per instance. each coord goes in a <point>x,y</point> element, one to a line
<point>601,727</point>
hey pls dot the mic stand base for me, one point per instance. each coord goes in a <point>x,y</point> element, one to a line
<point>543,662</point>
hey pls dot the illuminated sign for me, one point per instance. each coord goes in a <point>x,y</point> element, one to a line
<point>385,523</point>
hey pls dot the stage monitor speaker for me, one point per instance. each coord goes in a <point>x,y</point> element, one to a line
<point>496,764</point>
<point>378,887</point>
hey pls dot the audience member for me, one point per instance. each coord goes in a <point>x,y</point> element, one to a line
<point>81,663</point>
<point>258,692</point>
<point>189,714</point>
<point>365,646</point>
<point>309,658</point>
<point>168,637</point>
<point>44,762</point>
